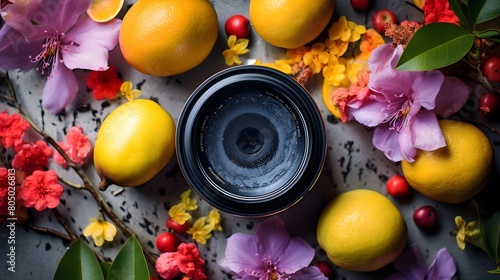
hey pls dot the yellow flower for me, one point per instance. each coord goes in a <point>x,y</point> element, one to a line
<point>334,72</point>
<point>100,230</point>
<point>201,230</point>
<point>336,47</point>
<point>214,220</point>
<point>237,47</point>
<point>340,30</point>
<point>356,31</point>
<point>178,213</point>
<point>353,68</point>
<point>317,57</point>
<point>190,203</point>
<point>465,231</point>
<point>280,65</point>
<point>128,91</point>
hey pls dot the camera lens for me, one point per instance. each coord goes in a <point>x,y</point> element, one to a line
<point>250,141</point>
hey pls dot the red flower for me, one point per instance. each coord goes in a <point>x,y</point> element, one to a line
<point>12,129</point>
<point>104,84</point>
<point>439,11</point>
<point>41,190</point>
<point>31,157</point>
<point>4,188</point>
<point>77,147</point>
<point>186,260</point>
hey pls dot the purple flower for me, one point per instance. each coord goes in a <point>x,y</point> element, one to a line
<point>411,266</point>
<point>55,37</point>
<point>270,254</point>
<point>403,105</point>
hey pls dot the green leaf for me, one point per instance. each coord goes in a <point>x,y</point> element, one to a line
<point>79,263</point>
<point>130,263</point>
<point>483,10</point>
<point>490,232</point>
<point>105,269</point>
<point>461,12</point>
<point>488,34</point>
<point>496,271</point>
<point>434,46</point>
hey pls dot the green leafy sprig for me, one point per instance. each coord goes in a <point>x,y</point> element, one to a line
<point>80,263</point>
<point>441,44</point>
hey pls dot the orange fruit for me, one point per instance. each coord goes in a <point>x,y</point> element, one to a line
<point>165,38</point>
<point>361,230</point>
<point>290,24</point>
<point>104,10</point>
<point>456,172</point>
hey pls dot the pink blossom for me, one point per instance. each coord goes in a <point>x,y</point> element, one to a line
<point>32,156</point>
<point>77,147</point>
<point>41,190</point>
<point>185,262</point>
<point>12,129</point>
<point>270,254</point>
<point>55,37</point>
<point>403,105</point>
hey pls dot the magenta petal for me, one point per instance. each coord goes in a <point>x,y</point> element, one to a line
<point>443,267</point>
<point>297,255</point>
<point>425,86</point>
<point>60,89</point>
<point>241,254</point>
<point>426,133</point>
<point>273,239</point>
<point>90,32</point>
<point>391,84</point>
<point>64,13</point>
<point>451,97</point>
<point>370,113</point>
<point>406,146</point>
<point>16,55</point>
<point>380,58</point>
<point>387,141</point>
<point>86,56</point>
<point>309,273</point>
<point>409,265</point>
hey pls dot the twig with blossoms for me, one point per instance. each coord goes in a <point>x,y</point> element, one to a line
<point>87,184</point>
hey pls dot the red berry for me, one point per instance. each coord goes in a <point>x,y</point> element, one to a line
<point>397,186</point>
<point>175,226</point>
<point>238,26</point>
<point>325,268</point>
<point>489,104</point>
<point>166,242</point>
<point>360,4</point>
<point>491,69</point>
<point>381,18</point>
<point>425,217</point>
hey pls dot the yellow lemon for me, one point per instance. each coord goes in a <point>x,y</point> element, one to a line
<point>361,230</point>
<point>327,99</point>
<point>456,172</point>
<point>290,23</point>
<point>104,10</point>
<point>134,142</point>
<point>164,38</point>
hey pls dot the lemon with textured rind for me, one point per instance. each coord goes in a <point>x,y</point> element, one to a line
<point>361,230</point>
<point>134,142</point>
<point>456,172</point>
<point>290,24</point>
<point>165,38</point>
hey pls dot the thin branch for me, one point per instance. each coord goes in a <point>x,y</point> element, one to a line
<point>71,184</point>
<point>51,231</point>
<point>87,184</point>
<point>63,223</point>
